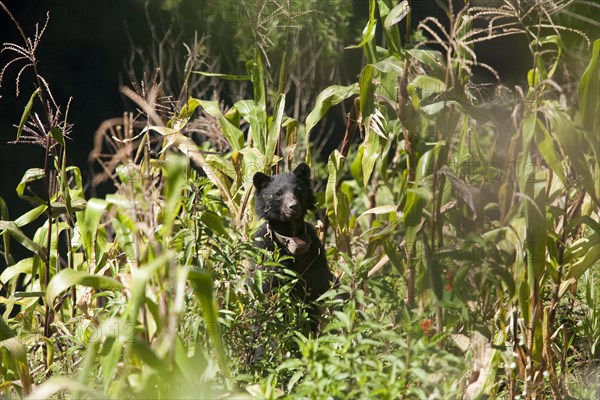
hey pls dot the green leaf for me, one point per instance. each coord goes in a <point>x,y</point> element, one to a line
<point>356,166</point>
<point>22,267</point>
<point>336,201</point>
<point>535,209</point>
<point>19,236</point>
<point>380,210</point>
<point>582,255</point>
<point>176,168</point>
<point>5,331</point>
<point>93,213</point>
<point>367,93</point>
<point>291,139</point>
<point>256,119</point>
<point>588,92</point>
<point>372,153</point>
<point>228,77</point>
<point>274,130</point>
<point>572,141</point>
<point>328,98</point>
<point>369,31</point>
<point>5,237</point>
<point>68,278</point>
<point>214,222</point>
<point>557,41</point>
<point>470,194</point>
<point>234,136</point>
<point>390,65</point>
<point>26,112</point>
<point>58,384</point>
<point>202,282</point>
<point>428,85</point>
<point>31,175</point>
<point>545,145</point>
<point>413,210</point>
<point>18,354</point>
<point>57,135</point>
<point>397,14</point>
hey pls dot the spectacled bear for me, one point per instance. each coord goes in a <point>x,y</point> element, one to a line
<point>283,201</point>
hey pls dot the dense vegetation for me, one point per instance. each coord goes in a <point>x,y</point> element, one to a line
<point>462,220</point>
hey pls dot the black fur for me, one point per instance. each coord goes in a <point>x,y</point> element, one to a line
<point>283,201</point>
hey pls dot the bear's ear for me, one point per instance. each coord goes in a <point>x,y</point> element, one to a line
<point>261,180</point>
<point>302,171</point>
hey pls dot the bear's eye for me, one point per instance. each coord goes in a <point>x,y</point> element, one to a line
<point>278,194</point>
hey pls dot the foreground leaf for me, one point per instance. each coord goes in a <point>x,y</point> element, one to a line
<point>68,278</point>
<point>19,355</point>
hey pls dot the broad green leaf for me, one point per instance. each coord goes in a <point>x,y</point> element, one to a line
<point>93,213</point>
<point>434,108</point>
<point>234,136</point>
<point>524,161</point>
<point>470,194</point>
<point>26,112</point>
<point>176,168</point>
<point>253,161</point>
<point>88,363</point>
<point>380,210</point>
<point>356,166</point>
<point>391,15</point>
<point>57,384</point>
<point>177,123</point>
<point>274,130</point>
<point>57,135</point>
<point>336,200</point>
<point>372,153</point>
<point>557,41</point>
<point>22,267</point>
<point>291,139</point>
<point>369,31</point>
<point>413,210</point>
<point>328,98</point>
<point>535,216</point>
<point>545,145</point>
<point>202,282</point>
<point>428,85</point>
<point>214,222</point>
<point>5,331</point>
<point>572,141</point>
<point>256,119</point>
<point>215,175</point>
<point>31,175</point>
<point>18,354</point>
<point>68,278</point>
<point>255,72</point>
<point>432,59</point>
<point>588,92</point>
<point>582,255</point>
<point>391,65</point>
<point>397,14</point>
<point>19,236</point>
<point>367,93</point>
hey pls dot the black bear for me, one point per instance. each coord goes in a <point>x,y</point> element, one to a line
<point>283,201</point>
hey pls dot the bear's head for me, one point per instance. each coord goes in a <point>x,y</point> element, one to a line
<point>284,197</point>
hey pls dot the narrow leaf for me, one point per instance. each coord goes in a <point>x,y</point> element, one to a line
<point>68,278</point>
<point>26,112</point>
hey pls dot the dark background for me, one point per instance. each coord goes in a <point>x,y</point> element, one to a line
<point>82,54</point>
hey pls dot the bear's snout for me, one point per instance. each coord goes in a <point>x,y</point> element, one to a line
<point>291,205</point>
